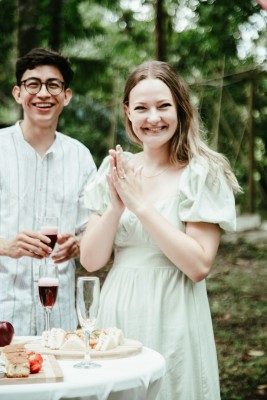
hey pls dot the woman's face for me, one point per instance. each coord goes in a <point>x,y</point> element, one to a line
<point>152,112</point>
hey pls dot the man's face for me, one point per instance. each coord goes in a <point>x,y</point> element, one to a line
<point>43,108</point>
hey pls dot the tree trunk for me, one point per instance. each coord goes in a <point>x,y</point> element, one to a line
<point>217,114</point>
<point>54,41</point>
<point>112,138</point>
<point>26,33</point>
<point>160,31</point>
<point>251,142</point>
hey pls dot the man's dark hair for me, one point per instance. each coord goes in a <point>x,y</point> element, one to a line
<point>41,56</point>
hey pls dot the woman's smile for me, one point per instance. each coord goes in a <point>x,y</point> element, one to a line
<point>152,111</point>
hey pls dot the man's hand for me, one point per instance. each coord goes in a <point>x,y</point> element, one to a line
<point>26,243</point>
<point>69,247</point>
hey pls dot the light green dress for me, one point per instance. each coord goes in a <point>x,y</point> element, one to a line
<point>150,299</point>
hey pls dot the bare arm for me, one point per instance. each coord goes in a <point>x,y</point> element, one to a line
<point>97,241</point>
<point>193,252</point>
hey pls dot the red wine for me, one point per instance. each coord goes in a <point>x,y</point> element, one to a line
<point>48,288</point>
<point>53,239</point>
<point>51,233</point>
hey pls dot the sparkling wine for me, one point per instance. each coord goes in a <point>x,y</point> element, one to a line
<point>48,288</point>
<point>51,233</point>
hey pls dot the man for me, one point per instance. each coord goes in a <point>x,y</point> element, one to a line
<point>42,173</point>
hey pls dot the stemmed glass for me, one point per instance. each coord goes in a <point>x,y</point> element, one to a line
<point>49,228</point>
<point>48,288</point>
<point>87,303</point>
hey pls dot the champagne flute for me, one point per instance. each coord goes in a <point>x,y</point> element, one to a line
<point>87,303</point>
<point>48,288</point>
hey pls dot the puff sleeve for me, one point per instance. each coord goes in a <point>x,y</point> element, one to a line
<point>96,195</point>
<point>206,198</point>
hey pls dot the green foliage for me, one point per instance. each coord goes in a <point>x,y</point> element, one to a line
<point>86,121</point>
<point>106,39</point>
<point>7,23</point>
<point>225,32</point>
<point>237,293</point>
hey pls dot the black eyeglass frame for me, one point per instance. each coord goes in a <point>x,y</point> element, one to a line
<point>46,83</point>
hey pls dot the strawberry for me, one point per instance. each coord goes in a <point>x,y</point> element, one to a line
<point>35,368</point>
<point>36,361</point>
<point>35,357</point>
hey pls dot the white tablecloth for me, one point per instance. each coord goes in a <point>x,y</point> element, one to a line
<point>133,378</point>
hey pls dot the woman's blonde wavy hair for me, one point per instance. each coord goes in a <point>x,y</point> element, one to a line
<point>187,142</point>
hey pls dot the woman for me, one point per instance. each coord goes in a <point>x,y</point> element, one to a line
<point>162,212</point>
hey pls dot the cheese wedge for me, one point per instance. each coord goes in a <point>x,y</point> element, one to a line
<point>54,338</point>
<point>74,343</point>
<point>116,334</point>
<point>105,342</point>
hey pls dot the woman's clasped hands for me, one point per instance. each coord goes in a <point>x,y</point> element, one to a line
<point>124,181</point>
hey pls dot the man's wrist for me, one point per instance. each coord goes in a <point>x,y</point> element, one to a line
<point>3,247</point>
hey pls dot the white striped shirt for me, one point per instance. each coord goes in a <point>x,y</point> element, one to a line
<point>31,186</point>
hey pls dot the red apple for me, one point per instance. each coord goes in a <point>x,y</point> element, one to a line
<point>6,333</point>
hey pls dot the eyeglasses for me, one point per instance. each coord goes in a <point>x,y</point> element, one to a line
<point>34,85</point>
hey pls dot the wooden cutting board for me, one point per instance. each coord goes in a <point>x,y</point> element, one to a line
<point>50,372</point>
<point>129,348</point>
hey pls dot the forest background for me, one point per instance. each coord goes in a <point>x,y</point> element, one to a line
<point>219,47</point>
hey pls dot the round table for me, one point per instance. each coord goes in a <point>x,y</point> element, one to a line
<point>137,377</point>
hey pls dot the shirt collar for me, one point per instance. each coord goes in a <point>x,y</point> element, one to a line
<point>52,149</point>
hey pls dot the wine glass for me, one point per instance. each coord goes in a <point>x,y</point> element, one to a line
<point>87,303</point>
<point>48,288</point>
<point>49,228</point>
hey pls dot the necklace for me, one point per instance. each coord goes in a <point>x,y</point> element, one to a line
<point>157,174</point>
